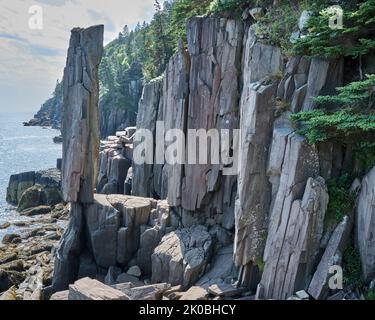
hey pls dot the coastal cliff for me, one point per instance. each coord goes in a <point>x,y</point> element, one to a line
<point>298,202</point>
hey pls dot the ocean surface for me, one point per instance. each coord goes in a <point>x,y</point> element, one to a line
<point>22,149</point>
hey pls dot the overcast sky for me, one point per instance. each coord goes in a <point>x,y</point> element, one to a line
<point>32,60</point>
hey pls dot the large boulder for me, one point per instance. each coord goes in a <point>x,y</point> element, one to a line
<point>18,183</point>
<point>182,256</point>
<point>32,197</point>
<point>365,225</point>
<point>102,224</point>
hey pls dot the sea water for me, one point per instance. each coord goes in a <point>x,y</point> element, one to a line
<point>22,149</point>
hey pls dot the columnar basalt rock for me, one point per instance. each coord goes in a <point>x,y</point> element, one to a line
<point>80,127</point>
<point>261,63</point>
<point>215,51</point>
<point>146,119</point>
<point>365,225</point>
<point>293,245</point>
<point>80,132</point>
<point>174,103</point>
<point>333,254</point>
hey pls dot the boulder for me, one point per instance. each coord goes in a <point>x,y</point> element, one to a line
<point>11,238</point>
<point>32,197</point>
<point>134,271</point>
<point>61,295</point>
<point>149,292</point>
<point>365,225</point>
<point>89,289</point>
<point>182,256</point>
<point>195,293</point>
<point>102,223</point>
<point>4,225</point>
<point>38,210</point>
<point>18,183</point>
<point>221,268</point>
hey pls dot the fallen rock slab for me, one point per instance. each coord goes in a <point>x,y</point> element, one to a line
<point>195,293</point>
<point>89,289</point>
<point>225,290</point>
<point>61,295</point>
<point>150,292</point>
<point>318,287</point>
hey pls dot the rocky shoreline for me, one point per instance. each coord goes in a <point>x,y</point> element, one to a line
<point>26,257</point>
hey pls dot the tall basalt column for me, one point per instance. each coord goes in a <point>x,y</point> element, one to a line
<point>80,132</point>
<point>80,128</point>
<point>257,108</point>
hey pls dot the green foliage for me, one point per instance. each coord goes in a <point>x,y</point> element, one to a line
<point>352,268</point>
<point>181,12</point>
<point>357,94</point>
<point>347,116</point>
<point>343,125</point>
<point>232,8</point>
<point>370,294</point>
<point>278,24</point>
<point>341,200</point>
<point>354,39</point>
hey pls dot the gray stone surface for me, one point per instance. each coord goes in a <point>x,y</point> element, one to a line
<point>293,246</point>
<point>80,128</point>
<point>365,225</point>
<point>333,254</point>
<point>181,256</point>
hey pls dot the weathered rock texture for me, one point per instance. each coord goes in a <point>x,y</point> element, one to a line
<point>116,154</point>
<point>80,127</point>
<point>293,241</point>
<point>80,132</point>
<point>366,224</point>
<point>261,62</point>
<point>182,256</point>
<point>143,184</point>
<point>274,209</point>
<point>48,180</point>
<point>333,254</point>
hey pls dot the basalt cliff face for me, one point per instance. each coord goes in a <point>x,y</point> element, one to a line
<point>262,230</point>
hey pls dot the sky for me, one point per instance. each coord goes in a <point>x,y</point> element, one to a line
<point>34,41</point>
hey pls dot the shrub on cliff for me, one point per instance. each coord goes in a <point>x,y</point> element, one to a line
<point>347,116</point>
<point>354,39</point>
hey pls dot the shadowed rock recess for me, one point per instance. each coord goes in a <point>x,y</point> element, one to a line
<point>188,231</point>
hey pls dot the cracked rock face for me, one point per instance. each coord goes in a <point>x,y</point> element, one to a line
<point>80,128</point>
<point>294,244</point>
<point>365,225</point>
<point>182,256</point>
<point>257,116</point>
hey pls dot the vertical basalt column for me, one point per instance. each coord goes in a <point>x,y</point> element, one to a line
<point>80,130</point>
<point>80,127</point>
